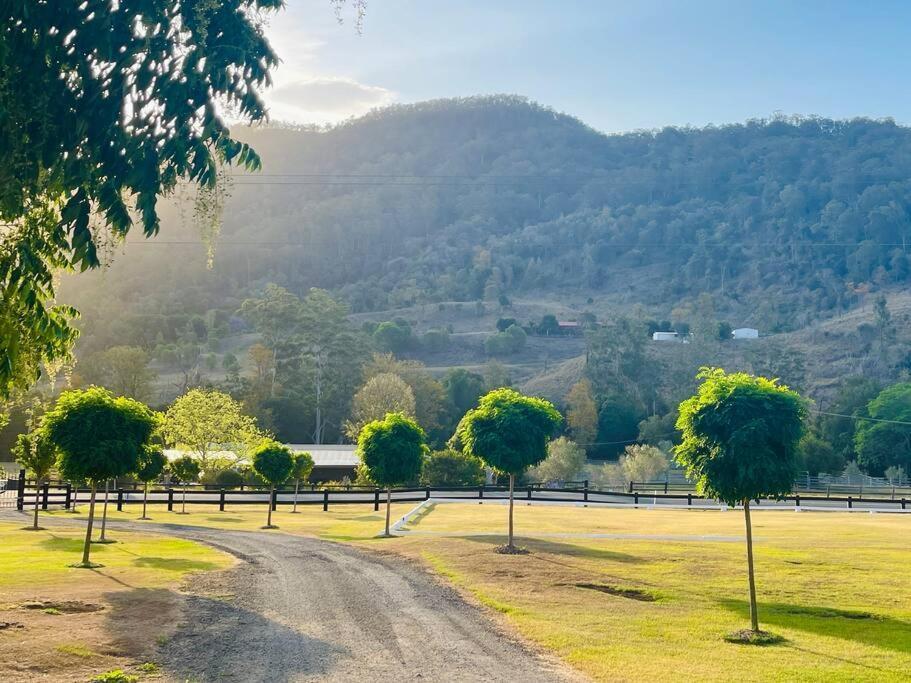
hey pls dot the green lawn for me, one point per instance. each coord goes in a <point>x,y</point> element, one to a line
<point>340,523</point>
<point>34,560</point>
<point>834,585</point>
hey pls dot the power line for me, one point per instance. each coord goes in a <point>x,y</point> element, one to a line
<point>862,417</point>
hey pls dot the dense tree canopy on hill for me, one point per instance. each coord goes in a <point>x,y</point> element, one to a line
<point>483,197</point>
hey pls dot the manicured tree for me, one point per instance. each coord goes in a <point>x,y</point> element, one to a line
<point>185,469</point>
<point>510,433</point>
<point>274,463</point>
<point>392,452</point>
<point>151,465</point>
<point>38,455</point>
<point>98,437</point>
<point>740,442</point>
<point>303,466</point>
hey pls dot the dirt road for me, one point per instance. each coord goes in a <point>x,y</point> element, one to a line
<point>299,609</point>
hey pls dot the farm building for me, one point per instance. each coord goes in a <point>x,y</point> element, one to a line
<point>745,333</point>
<point>665,336</point>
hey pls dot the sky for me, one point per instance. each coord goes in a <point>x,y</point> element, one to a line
<point>617,66</point>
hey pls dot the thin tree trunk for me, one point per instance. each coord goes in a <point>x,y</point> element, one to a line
<point>145,500</point>
<point>754,616</point>
<point>88,529</point>
<point>269,517</point>
<point>104,511</point>
<point>512,482</point>
<point>388,508</point>
<point>183,504</point>
<point>297,483</point>
<point>37,497</point>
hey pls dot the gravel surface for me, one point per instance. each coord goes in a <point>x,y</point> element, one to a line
<point>301,609</point>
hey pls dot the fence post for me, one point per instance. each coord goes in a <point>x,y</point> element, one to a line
<point>481,494</point>
<point>631,487</point>
<point>797,498</point>
<point>119,500</point>
<point>850,503</point>
<point>528,492</point>
<point>274,501</point>
<point>585,490</point>
<point>326,500</point>
<point>69,492</point>
<point>170,499</point>
<point>689,498</point>
<point>20,491</point>
<point>636,498</point>
<point>376,500</point>
<point>45,492</point>
<point>903,503</point>
<point>665,485</point>
<point>221,501</point>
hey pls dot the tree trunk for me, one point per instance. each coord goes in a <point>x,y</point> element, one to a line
<point>104,511</point>
<point>388,508</point>
<point>297,483</point>
<point>754,616</point>
<point>145,500</point>
<point>88,529</point>
<point>37,503</point>
<point>269,516</point>
<point>512,482</point>
<point>183,504</point>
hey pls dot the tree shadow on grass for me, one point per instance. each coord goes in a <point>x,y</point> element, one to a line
<point>861,627</point>
<point>225,519</point>
<point>215,641</point>
<point>558,548</point>
<point>65,545</point>
<point>173,564</point>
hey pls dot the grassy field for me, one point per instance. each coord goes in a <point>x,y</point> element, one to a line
<point>64,624</point>
<point>341,523</point>
<point>656,598</point>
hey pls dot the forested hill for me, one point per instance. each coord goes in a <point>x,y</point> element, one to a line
<point>781,220</point>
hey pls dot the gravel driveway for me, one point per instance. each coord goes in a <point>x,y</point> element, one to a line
<point>300,609</point>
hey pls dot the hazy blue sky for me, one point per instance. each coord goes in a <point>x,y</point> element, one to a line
<point>615,65</point>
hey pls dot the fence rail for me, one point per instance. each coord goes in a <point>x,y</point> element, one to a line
<point>63,494</point>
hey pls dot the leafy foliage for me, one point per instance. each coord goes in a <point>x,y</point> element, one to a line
<point>507,430</point>
<point>382,394</point>
<point>274,462</point>
<point>740,436</point>
<point>185,469</point>
<point>302,467</point>
<point>452,468</point>
<point>881,445</point>
<point>105,109</point>
<point>565,461</point>
<point>152,463</point>
<point>392,450</point>
<point>99,437</point>
<point>36,453</point>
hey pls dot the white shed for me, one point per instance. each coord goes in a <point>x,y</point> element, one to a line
<point>665,336</point>
<point>745,333</point>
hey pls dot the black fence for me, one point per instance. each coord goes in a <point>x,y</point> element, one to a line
<point>63,494</point>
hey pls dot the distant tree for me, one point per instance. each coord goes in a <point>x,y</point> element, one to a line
<point>724,331</point>
<point>740,442</point>
<point>657,429</point>
<point>435,340</point>
<point>392,452</point>
<point>274,463</point>
<point>850,403</point>
<point>548,325</point>
<point>38,455</point>
<point>885,328</point>
<point>429,396</point>
<point>817,455</point>
<point>496,376</point>
<point>565,461</point>
<point>504,324</point>
<point>463,388</point>
<point>382,394</point>
<point>185,469</point>
<point>98,437</point>
<point>203,421</point>
<point>641,462</point>
<point>392,336</point>
<point>122,369</point>
<point>885,440</point>
<point>506,343</point>
<point>152,463</point>
<point>302,467</point>
<point>510,433</point>
<point>451,468</point>
<point>582,412</point>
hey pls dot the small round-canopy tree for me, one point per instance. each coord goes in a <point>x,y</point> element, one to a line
<point>274,463</point>
<point>740,442</point>
<point>392,451</point>
<point>303,466</point>
<point>185,469</point>
<point>37,455</point>
<point>510,433</point>
<point>98,437</point>
<point>151,464</point>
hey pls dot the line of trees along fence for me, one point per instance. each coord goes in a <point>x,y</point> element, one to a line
<point>63,494</point>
